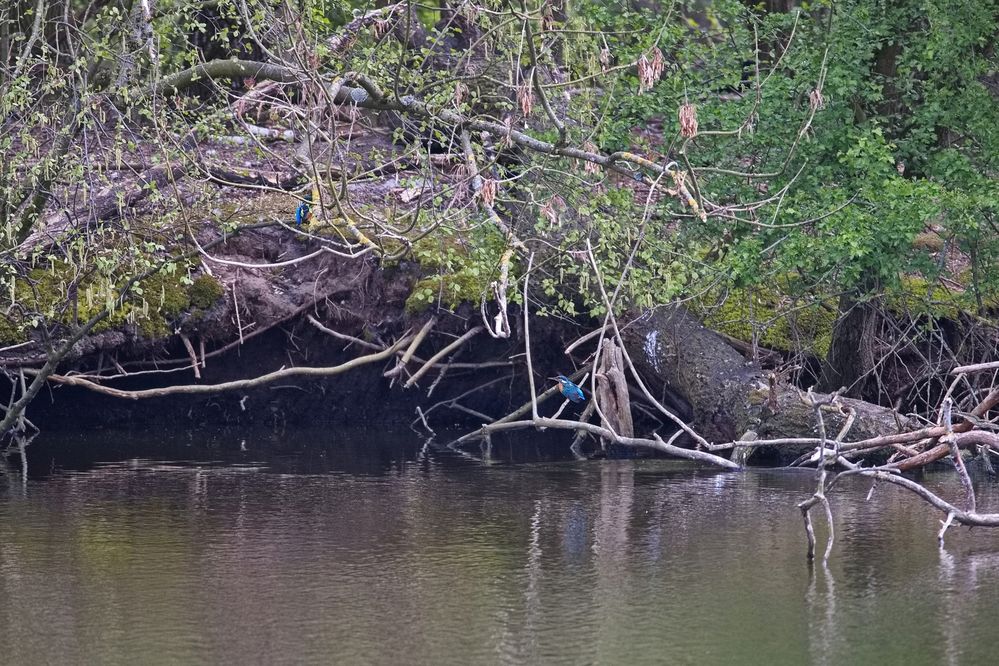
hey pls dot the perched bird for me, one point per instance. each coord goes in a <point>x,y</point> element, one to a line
<point>303,214</point>
<point>569,390</point>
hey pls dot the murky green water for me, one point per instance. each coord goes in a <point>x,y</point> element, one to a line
<point>368,549</point>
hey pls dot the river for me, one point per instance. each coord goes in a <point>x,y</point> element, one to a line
<point>372,547</point>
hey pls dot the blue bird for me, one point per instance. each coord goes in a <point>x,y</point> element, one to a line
<point>572,392</point>
<point>303,214</point>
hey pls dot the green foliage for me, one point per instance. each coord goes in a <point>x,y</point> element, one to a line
<point>863,187</point>
<point>904,143</point>
<point>455,270</point>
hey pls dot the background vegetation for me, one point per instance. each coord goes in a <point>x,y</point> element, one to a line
<point>841,159</point>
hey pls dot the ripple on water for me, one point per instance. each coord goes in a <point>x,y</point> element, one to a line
<point>436,560</point>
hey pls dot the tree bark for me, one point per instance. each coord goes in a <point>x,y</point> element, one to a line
<point>728,395</point>
<point>851,352</point>
<point>612,385</point>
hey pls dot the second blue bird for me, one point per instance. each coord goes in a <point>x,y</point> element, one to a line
<point>303,214</point>
<point>572,392</point>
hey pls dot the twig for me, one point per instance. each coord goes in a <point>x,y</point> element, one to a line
<point>582,340</point>
<point>519,412</point>
<point>527,338</point>
<point>432,361</point>
<point>450,401</point>
<point>580,434</point>
<point>944,524</point>
<point>608,303</point>
<point>423,419</point>
<point>367,345</point>
<point>235,307</point>
<point>822,454</point>
<point>408,356</point>
<point>977,367</point>
<point>955,452</point>
<point>190,352</point>
<point>656,444</point>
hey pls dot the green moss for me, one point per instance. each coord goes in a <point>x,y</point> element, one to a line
<point>788,325</point>
<point>758,397</point>
<point>781,323</point>
<point>10,332</point>
<point>452,290</point>
<point>205,291</point>
<point>988,287</point>
<point>918,297</point>
<point>158,301</point>
<point>929,241</point>
<point>456,269</point>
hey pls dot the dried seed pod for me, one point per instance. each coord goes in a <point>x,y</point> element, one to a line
<point>658,64</point>
<point>380,27</point>
<point>488,191</point>
<point>815,100</point>
<point>687,115</point>
<point>644,75</point>
<point>650,70</point>
<point>590,167</point>
<point>525,97</point>
<point>551,209</point>
<point>505,141</point>
<point>460,93</point>
<point>605,58</point>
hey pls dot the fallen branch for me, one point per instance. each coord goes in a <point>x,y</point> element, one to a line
<point>237,385</point>
<point>367,95</point>
<point>977,367</point>
<point>656,444</point>
<point>969,518</point>
<point>441,354</point>
<point>408,355</point>
<point>190,352</point>
<point>368,345</point>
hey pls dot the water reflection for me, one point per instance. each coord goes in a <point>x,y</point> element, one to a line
<point>416,555</point>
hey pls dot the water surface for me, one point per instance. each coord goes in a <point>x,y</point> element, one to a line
<point>372,548</point>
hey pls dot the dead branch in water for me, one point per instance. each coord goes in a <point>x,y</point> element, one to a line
<point>237,385</point>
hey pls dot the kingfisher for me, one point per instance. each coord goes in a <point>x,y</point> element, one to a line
<point>572,392</point>
<point>303,214</point>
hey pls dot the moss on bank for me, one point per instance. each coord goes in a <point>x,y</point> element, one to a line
<point>456,269</point>
<point>780,322</point>
<point>792,325</point>
<point>56,294</point>
<point>919,297</point>
<point>205,291</point>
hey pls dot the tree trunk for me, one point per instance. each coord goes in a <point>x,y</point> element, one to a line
<point>612,387</point>
<point>851,352</point>
<point>730,396</point>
